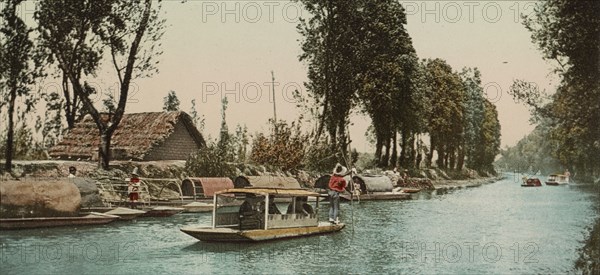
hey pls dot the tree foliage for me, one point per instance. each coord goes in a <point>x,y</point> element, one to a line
<point>284,148</point>
<point>17,70</point>
<point>171,102</point>
<point>78,35</point>
<point>567,32</point>
<point>209,161</point>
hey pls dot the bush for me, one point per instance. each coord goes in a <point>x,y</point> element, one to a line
<point>209,161</point>
<point>285,147</point>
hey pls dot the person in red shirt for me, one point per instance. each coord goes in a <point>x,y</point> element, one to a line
<point>133,188</point>
<point>337,185</point>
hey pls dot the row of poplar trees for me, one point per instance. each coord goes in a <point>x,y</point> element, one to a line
<point>360,57</point>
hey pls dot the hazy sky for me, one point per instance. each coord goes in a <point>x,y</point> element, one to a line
<point>214,49</point>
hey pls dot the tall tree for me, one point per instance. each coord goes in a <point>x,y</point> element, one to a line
<point>386,62</point>
<point>329,50</point>
<point>171,102</point>
<point>16,70</point>
<point>474,115</point>
<point>77,34</point>
<point>446,95</point>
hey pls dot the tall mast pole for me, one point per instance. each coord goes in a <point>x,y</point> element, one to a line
<point>274,107</point>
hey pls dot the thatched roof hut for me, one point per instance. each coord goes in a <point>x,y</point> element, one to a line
<point>140,136</point>
<point>266,181</point>
<point>204,187</point>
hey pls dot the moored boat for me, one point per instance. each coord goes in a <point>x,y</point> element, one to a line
<point>92,218</point>
<point>125,213</point>
<point>557,179</point>
<point>162,211</point>
<point>197,207</point>
<point>252,221</point>
<point>531,182</point>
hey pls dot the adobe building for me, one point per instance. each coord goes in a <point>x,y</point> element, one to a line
<point>139,137</point>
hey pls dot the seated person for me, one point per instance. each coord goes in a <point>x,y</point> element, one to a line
<point>250,216</point>
<point>301,207</point>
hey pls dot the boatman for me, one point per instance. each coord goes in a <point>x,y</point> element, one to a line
<point>337,185</point>
<point>567,175</point>
<point>133,188</point>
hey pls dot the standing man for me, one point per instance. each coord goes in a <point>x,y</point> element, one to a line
<point>337,185</point>
<point>567,175</point>
<point>133,188</point>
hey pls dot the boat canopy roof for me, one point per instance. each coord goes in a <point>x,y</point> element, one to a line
<point>266,182</point>
<point>270,191</point>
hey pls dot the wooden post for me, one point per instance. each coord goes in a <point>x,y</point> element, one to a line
<point>214,219</point>
<point>266,210</point>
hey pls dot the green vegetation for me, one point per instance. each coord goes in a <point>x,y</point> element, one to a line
<point>567,32</point>
<point>360,57</point>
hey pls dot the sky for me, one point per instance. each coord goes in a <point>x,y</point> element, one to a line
<point>216,49</point>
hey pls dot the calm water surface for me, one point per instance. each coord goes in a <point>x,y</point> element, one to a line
<point>495,228</point>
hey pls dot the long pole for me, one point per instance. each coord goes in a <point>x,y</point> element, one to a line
<point>274,107</point>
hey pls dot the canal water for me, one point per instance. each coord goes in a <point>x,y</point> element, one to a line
<point>496,228</point>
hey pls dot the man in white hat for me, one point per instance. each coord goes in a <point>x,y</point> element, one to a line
<point>337,185</point>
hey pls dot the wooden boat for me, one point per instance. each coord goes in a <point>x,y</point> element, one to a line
<point>125,213</point>
<point>250,222</point>
<point>89,219</point>
<point>161,211</point>
<point>410,190</point>
<point>531,182</point>
<point>557,179</point>
<point>377,196</point>
<point>197,207</point>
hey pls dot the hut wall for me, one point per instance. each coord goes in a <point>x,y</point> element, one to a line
<point>178,146</point>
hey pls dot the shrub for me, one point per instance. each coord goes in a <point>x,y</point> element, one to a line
<point>209,161</point>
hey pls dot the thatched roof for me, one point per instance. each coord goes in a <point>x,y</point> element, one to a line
<point>136,135</point>
<point>266,181</point>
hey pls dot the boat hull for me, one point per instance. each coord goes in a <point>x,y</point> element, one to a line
<point>530,185</point>
<point>24,223</point>
<point>378,196</point>
<point>209,234</point>
<point>162,211</point>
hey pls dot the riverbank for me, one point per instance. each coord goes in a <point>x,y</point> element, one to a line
<point>458,184</point>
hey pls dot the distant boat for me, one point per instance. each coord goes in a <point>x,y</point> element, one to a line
<point>531,182</point>
<point>89,219</point>
<point>557,179</point>
<point>250,222</point>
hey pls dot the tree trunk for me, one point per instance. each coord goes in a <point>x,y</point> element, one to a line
<point>386,158</point>
<point>429,157</point>
<point>461,158</point>
<point>411,149</point>
<point>394,159</point>
<point>403,152</point>
<point>11,130</point>
<point>104,149</point>
<point>378,147</point>
<point>441,156</point>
